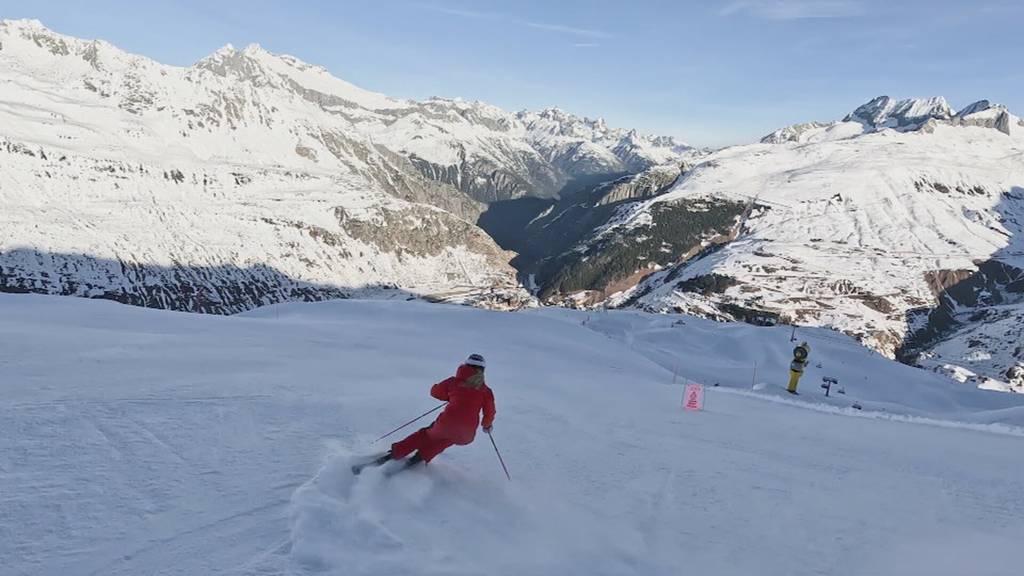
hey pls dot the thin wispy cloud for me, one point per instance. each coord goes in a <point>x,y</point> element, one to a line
<point>513,21</point>
<point>472,14</point>
<point>794,9</point>
<point>570,30</point>
<point>585,45</point>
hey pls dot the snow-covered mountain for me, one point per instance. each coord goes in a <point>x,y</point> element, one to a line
<point>582,146</point>
<point>908,115</point>
<point>900,225</point>
<point>251,177</point>
<point>911,113</point>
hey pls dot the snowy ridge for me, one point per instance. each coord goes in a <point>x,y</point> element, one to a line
<point>589,146</point>
<point>794,133</point>
<point>912,114</point>
<point>887,112</point>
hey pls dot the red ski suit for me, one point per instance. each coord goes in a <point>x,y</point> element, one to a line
<point>458,422</point>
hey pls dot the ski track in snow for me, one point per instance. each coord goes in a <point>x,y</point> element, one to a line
<point>148,442</point>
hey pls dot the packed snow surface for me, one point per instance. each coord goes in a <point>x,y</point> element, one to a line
<point>137,441</point>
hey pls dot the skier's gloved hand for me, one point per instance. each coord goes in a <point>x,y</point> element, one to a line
<point>488,428</point>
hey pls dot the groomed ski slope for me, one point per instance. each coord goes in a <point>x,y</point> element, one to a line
<point>136,441</point>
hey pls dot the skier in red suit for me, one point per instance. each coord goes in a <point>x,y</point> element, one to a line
<point>467,396</point>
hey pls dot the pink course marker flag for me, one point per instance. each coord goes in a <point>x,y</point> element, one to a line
<point>693,397</point>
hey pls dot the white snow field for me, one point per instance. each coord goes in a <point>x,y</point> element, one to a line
<point>138,442</point>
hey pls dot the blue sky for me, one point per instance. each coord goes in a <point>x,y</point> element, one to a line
<point>710,72</point>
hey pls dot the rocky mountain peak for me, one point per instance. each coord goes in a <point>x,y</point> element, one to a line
<point>910,113</point>
<point>229,62</point>
<point>918,110</point>
<point>907,115</point>
<point>25,26</point>
<point>245,64</point>
<point>986,114</point>
<point>255,50</point>
<point>979,106</point>
<point>34,32</point>
<point>873,112</point>
<point>34,46</point>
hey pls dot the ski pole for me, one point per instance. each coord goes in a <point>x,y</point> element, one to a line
<point>503,467</point>
<point>435,409</point>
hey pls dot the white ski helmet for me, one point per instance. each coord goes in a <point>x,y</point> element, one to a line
<point>476,360</point>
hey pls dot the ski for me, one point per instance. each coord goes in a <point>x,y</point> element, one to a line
<point>407,464</point>
<point>379,460</point>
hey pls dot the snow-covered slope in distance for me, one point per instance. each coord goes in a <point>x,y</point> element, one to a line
<point>985,347</point>
<point>862,228</point>
<point>147,442</point>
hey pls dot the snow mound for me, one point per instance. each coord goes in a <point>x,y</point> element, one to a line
<point>421,521</point>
